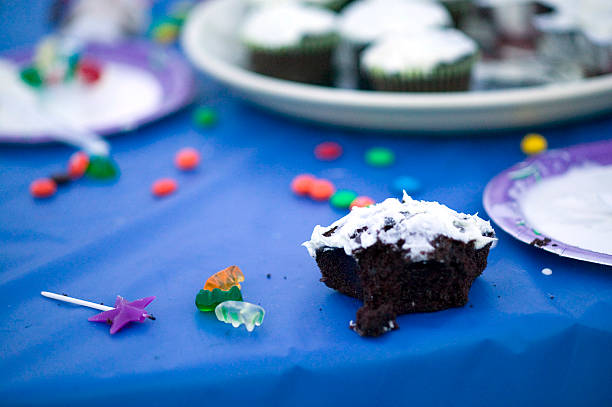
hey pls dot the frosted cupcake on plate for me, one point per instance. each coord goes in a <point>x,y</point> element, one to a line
<point>291,41</point>
<point>428,61</point>
<point>363,22</point>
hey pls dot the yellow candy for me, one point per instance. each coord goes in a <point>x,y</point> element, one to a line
<point>165,33</point>
<point>225,279</point>
<point>533,143</point>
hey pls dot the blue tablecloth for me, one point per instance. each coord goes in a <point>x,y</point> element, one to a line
<point>524,339</point>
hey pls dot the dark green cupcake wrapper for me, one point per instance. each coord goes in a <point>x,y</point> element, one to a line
<point>458,68</point>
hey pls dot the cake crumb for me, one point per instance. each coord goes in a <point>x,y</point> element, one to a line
<point>552,297</point>
<point>540,242</point>
<point>546,271</point>
<point>268,276</point>
<point>284,277</point>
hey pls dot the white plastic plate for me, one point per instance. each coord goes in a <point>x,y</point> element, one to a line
<point>210,41</point>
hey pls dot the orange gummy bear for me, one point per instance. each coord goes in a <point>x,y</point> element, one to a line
<point>225,279</point>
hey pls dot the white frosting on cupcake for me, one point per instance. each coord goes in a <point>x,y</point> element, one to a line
<point>286,25</point>
<point>365,21</point>
<point>592,17</point>
<point>417,51</point>
<point>417,223</point>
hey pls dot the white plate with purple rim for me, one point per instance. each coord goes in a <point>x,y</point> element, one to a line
<point>165,84</point>
<point>210,40</point>
<point>503,195</point>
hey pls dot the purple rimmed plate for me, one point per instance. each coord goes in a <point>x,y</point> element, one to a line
<point>502,194</point>
<point>167,66</point>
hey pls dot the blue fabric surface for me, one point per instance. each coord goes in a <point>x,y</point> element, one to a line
<point>524,338</point>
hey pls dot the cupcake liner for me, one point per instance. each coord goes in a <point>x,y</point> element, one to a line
<point>444,78</point>
<point>309,62</point>
<point>459,10</point>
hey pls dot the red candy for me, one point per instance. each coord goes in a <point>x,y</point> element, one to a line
<point>302,184</point>
<point>163,187</point>
<point>43,188</point>
<point>89,71</point>
<point>187,159</point>
<point>321,190</point>
<point>77,165</point>
<point>328,151</point>
<point>361,202</point>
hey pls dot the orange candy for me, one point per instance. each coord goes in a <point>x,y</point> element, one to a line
<point>164,187</point>
<point>43,188</point>
<point>225,279</point>
<point>187,159</point>
<point>361,202</point>
<point>321,190</point>
<point>77,165</point>
<point>302,183</point>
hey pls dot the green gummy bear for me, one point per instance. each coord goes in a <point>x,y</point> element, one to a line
<point>205,117</point>
<point>102,167</point>
<point>207,300</point>
<point>32,77</point>
<point>238,312</point>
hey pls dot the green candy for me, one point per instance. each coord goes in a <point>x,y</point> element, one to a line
<point>342,199</point>
<point>102,167</point>
<point>207,300</point>
<point>32,77</point>
<point>379,157</point>
<point>205,117</point>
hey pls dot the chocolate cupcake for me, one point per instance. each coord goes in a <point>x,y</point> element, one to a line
<point>363,22</point>
<point>428,61</point>
<point>292,41</point>
<point>401,257</point>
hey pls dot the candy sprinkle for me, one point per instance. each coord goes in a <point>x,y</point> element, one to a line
<point>43,188</point>
<point>164,187</point>
<point>77,165</point>
<point>533,143</point>
<point>328,151</point>
<point>205,117</point>
<point>165,33</point>
<point>89,71</point>
<point>379,157</point>
<point>321,190</point>
<point>342,199</point>
<point>187,159</point>
<point>546,271</point>
<point>302,184</point>
<point>361,202</point>
<point>406,183</point>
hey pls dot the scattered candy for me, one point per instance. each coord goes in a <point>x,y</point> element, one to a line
<point>237,312</point>
<point>225,279</point>
<point>321,190</point>
<point>165,33</point>
<point>207,300</point>
<point>43,188</point>
<point>163,187</point>
<point>102,167</point>
<point>77,165</point>
<point>546,271</point>
<point>343,198</point>
<point>406,183</point>
<point>205,117</point>
<point>124,313</point>
<point>61,178</point>
<point>533,143</point>
<point>379,157</point>
<point>32,77</point>
<point>89,71</point>
<point>361,202</point>
<point>328,151</point>
<point>302,184</point>
<point>187,159</point>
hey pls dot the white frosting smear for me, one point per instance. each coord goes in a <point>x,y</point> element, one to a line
<point>365,21</point>
<point>574,208</point>
<point>286,25</point>
<point>123,95</point>
<point>417,223</point>
<point>424,51</point>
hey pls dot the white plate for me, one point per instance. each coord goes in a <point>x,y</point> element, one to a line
<point>210,41</point>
